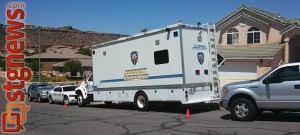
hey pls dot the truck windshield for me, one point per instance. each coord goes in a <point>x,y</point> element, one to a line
<point>70,88</point>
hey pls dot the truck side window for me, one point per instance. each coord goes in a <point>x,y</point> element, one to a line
<point>161,57</point>
<point>290,73</point>
<point>58,89</point>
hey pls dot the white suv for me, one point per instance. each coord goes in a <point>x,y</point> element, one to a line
<point>65,94</point>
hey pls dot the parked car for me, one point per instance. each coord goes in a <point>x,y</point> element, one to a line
<point>38,91</point>
<point>278,90</point>
<point>65,94</point>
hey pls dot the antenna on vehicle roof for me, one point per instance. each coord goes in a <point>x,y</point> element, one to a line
<point>144,30</point>
<point>179,21</point>
<point>198,24</point>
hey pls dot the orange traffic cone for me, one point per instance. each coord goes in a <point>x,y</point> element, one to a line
<point>187,115</point>
<point>65,106</point>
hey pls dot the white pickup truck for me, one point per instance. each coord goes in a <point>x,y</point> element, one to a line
<point>277,90</point>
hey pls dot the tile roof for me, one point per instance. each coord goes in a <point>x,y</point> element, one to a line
<point>260,12</point>
<point>269,14</point>
<point>249,51</point>
<point>289,28</point>
<point>295,21</point>
<point>84,63</point>
<point>60,53</point>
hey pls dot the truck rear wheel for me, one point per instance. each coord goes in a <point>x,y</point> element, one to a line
<point>141,101</point>
<point>242,109</point>
<point>80,101</point>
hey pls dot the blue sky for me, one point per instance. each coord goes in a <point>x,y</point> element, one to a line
<point>130,16</point>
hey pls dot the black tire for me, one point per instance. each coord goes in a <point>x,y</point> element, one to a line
<point>242,109</point>
<point>50,100</point>
<point>80,101</point>
<point>258,112</point>
<point>107,103</point>
<point>29,98</point>
<point>39,99</point>
<point>141,101</point>
<point>66,100</point>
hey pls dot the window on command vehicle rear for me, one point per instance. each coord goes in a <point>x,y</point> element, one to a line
<point>161,57</point>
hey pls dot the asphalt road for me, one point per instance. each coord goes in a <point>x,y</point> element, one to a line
<point>98,119</point>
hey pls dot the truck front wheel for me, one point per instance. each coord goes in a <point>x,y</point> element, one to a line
<point>141,101</point>
<point>242,109</point>
<point>80,101</point>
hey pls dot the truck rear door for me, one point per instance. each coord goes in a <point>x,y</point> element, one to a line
<point>200,62</point>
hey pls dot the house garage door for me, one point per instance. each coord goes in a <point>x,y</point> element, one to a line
<point>237,71</point>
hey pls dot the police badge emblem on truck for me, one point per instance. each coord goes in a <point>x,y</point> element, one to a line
<point>200,56</point>
<point>134,57</point>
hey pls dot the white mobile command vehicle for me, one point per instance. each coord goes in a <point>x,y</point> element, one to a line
<point>173,64</point>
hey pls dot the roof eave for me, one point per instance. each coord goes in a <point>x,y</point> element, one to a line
<point>247,58</point>
<point>250,10</point>
<point>240,16</point>
<point>289,28</point>
<point>230,15</point>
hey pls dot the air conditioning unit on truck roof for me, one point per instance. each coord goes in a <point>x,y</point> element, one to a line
<point>177,63</point>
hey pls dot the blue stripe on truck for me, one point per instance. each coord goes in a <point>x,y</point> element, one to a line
<point>150,77</point>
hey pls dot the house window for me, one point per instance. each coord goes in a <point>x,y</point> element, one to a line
<point>253,35</point>
<point>233,36</point>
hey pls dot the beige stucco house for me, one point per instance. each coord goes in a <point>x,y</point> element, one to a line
<point>55,56</point>
<point>86,68</point>
<point>253,41</point>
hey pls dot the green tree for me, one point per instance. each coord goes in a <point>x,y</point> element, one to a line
<point>84,51</point>
<point>3,64</point>
<point>72,66</point>
<point>34,65</point>
<point>43,49</point>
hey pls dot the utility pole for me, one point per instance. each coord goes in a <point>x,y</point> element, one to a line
<point>39,55</point>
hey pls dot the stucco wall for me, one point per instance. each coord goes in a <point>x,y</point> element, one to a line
<point>270,29</point>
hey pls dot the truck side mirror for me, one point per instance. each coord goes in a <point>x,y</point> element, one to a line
<point>267,80</point>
